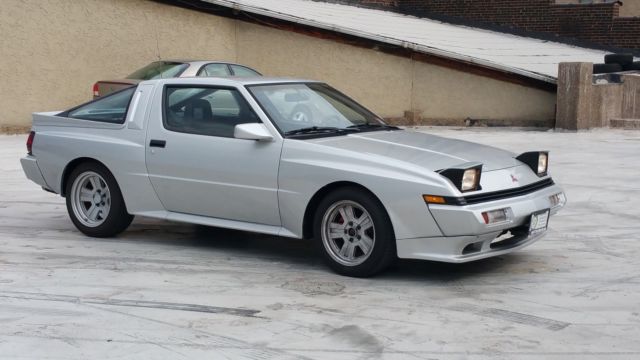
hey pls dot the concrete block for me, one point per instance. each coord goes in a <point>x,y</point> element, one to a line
<point>606,104</point>
<point>628,124</point>
<point>631,96</point>
<point>574,95</point>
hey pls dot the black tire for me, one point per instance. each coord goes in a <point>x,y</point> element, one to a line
<point>633,66</point>
<point>384,251</point>
<point>117,220</point>
<point>606,68</point>
<point>621,59</point>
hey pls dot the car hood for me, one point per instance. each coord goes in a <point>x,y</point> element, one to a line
<point>425,150</point>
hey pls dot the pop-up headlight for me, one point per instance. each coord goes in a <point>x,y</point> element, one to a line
<point>538,161</point>
<point>465,179</point>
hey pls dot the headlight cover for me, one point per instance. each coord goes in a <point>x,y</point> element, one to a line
<point>464,178</point>
<point>538,161</point>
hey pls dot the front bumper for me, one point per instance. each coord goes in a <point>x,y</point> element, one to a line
<point>467,237</point>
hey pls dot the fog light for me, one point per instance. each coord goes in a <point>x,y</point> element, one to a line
<point>495,216</point>
<point>557,199</point>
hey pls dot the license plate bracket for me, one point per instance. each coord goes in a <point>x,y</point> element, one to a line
<point>539,222</point>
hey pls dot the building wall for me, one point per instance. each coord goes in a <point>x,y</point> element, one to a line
<point>441,93</point>
<point>630,8</point>
<point>381,81</point>
<point>391,85</point>
<point>598,22</point>
<point>604,23</point>
<point>54,66</point>
<point>52,51</point>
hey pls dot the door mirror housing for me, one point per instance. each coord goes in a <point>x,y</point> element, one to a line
<point>252,131</point>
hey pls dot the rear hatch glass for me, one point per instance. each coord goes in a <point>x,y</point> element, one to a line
<point>109,87</point>
<point>159,70</point>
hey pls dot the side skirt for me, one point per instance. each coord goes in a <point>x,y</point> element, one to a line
<point>217,222</point>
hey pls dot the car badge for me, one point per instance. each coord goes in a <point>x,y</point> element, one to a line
<point>514,179</point>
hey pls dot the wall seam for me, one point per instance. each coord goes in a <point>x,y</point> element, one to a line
<point>237,42</point>
<point>413,79</point>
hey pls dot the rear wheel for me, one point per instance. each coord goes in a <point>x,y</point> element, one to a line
<point>354,233</point>
<point>94,201</point>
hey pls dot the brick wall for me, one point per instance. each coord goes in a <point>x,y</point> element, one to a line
<point>375,4</point>
<point>627,32</point>
<point>592,23</point>
<point>598,24</point>
<point>385,3</point>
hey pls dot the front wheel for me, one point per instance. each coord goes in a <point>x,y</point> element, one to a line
<point>354,233</point>
<point>94,201</point>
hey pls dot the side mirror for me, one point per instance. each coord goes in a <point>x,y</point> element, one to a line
<point>252,131</point>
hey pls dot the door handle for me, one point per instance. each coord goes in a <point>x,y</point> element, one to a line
<point>158,143</point>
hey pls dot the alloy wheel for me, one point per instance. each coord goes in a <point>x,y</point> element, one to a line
<point>90,199</point>
<point>348,233</point>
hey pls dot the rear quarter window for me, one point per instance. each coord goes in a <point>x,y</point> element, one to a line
<point>110,109</point>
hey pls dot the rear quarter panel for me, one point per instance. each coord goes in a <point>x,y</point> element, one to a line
<point>120,147</point>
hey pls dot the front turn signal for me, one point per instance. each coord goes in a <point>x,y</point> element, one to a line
<point>432,199</point>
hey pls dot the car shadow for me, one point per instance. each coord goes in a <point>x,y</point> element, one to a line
<point>219,240</point>
<point>303,253</point>
<point>421,270</point>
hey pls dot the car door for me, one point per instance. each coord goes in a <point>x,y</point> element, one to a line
<point>196,165</point>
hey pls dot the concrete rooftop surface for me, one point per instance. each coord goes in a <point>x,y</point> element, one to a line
<point>172,291</point>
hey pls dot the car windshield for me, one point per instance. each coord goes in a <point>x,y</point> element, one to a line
<point>304,108</point>
<point>159,70</point>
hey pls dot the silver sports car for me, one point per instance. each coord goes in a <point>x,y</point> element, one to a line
<point>292,158</point>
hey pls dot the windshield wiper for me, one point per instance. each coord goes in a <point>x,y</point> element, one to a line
<point>319,129</point>
<point>373,126</point>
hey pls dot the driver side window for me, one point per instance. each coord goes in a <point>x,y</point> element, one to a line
<point>206,110</point>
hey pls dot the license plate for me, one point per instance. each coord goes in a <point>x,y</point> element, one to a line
<point>539,222</point>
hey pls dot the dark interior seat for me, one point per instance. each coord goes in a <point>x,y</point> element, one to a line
<point>198,114</point>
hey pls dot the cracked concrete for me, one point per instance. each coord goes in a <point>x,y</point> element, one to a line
<point>169,291</point>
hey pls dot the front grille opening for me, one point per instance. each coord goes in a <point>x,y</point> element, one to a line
<point>472,248</point>
<point>504,194</point>
<point>510,237</point>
